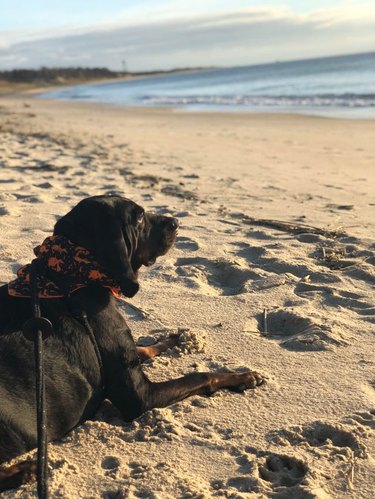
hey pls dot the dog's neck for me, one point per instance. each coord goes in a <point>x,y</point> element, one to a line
<point>63,268</point>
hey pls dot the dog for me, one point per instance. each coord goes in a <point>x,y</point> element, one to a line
<point>92,258</point>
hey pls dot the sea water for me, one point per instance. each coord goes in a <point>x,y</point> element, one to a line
<point>332,86</point>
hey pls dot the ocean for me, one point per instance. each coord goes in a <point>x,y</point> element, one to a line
<point>341,86</point>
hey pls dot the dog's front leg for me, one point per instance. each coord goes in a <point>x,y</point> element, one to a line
<point>169,392</point>
<point>137,394</point>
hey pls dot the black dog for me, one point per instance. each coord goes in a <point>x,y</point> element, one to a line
<point>120,237</point>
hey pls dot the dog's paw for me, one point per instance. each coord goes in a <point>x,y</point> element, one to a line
<point>247,380</point>
<point>235,382</point>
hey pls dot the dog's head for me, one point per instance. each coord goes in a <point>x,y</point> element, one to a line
<point>120,235</point>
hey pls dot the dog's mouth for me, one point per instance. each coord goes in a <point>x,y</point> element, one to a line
<point>167,244</point>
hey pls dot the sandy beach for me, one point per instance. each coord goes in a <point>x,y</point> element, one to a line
<point>277,215</point>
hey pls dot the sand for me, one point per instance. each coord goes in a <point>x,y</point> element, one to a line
<point>277,214</point>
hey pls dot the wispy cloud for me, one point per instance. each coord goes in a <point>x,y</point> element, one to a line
<point>231,37</point>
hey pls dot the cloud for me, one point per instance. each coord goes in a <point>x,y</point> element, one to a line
<point>349,14</point>
<point>229,38</point>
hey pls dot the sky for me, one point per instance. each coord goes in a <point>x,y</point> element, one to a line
<point>141,35</point>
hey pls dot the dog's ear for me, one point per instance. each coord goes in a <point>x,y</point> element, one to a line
<point>104,225</point>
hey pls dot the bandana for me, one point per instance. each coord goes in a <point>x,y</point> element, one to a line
<point>62,256</point>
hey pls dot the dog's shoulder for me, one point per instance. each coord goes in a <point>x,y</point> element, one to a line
<point>104,312</point>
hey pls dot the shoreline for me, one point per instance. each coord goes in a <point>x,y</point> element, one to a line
<point>35,93</point>
<point>330,113</point>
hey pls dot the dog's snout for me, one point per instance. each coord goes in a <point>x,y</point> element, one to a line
<point>173,223</point>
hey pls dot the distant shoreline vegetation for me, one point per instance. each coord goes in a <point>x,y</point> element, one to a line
<point>45,76</point>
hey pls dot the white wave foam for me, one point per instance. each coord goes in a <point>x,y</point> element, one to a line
<point>343,101</point>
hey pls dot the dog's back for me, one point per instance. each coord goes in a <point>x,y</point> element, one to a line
<point>71,371</point>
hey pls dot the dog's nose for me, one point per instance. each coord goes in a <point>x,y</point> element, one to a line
<point>173,223</point>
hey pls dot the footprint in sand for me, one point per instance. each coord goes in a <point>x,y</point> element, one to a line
<point>240,484</point>
<point>267,259</point>
<point>3,211</point>
<point>268,473</point>
<point>249,252</point>
<point>299,333</point>
<point>138,470</point>
<point>179,192</point>
<point>221,276</point>
<point>337,298</point>
<point>325,439</point>
<point>113,494</point>
<point>365,273</point>
<point>310,238</point>
<point>259,234</point>
<point>110,463</point>
<point>44,185</point>
<point>185,243</point>
<point>319,278</point>
<point>333,449</point>
<point>111,466</point>
<point>363,419</point>
<point>279,266</point>
<point>281,470</point>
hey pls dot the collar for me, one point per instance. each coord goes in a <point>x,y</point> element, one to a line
<point>76,264</point>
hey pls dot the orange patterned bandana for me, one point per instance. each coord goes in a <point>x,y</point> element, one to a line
<point>60,255</point>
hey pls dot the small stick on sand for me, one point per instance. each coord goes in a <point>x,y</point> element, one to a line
<point>351,471</point>
<point>265,326</point>
<point>293,227</point>
<point>343,267</point>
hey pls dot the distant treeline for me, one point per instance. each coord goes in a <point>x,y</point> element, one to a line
<point>46,75</point>
<point>56,75</point>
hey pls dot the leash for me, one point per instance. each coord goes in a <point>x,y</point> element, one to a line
<point>37,329</point>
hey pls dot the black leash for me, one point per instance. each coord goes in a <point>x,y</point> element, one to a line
<point>37,329</point>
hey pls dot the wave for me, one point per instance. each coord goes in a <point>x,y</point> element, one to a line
<point>347,100</point>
